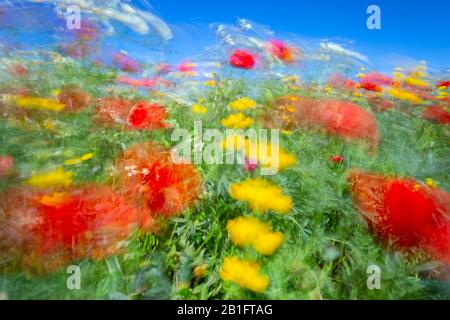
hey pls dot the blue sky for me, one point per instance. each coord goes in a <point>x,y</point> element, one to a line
<point>416,29</point>
<point>410,30</point>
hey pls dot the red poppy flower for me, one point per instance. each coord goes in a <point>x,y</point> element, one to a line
<point>436,114</point>
<point>337,159</point>
<point>48,230</point>
<point>340,118</point>
<point>145,115</point>
<point>338,81</point>
<point>377,78</point>
<point>18,70</point>
<point>405,212</point>
<point>6,165</point>
<point>186,67</point>
<point>242,59</point>
<point>281,51</point>
<point>138,116</point>
<point>443,83</point>
<point>370,86</point>
<point>158,186</point>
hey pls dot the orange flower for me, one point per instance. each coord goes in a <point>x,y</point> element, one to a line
<point>73,98</point>
<point>159,186</point>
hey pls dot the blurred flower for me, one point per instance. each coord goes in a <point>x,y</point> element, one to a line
<point>6,165</point>
<point>337,159</point>
<point>73,98</point>
<point>210,83</point>
<point>157,186</point>
<point>198,108</point>
<point>336,117</point>
<point>146,115</point>
<point>200,271</point>
<point>18,70</point>
<point>443,84</point>
<point>249,231</point>
<point>145,83</point>
<point>261,195</point>
<point>50,229</point>
<point>237,121</point>
<point>125,63</point>
<point>431,183</point>
<point>242,104</point>
<point>242,59</point>
<point>55,178</point>
<point>187,67</point>
<point>38,103</point>
<point>244,273</point>
<point>250,165</point>
<point>113,111</point>
<point>436,114</point>
<point>404,212</point>
<point>74,161</point>
<point>404,95</point>
<point>282,51</point>
<point>415,82</point>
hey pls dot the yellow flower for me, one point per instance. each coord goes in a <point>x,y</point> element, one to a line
<point>198,108</point>
<point>431,183</point>
<point>245,273</point>
<point>200,271</point>
<point>260,153</point>
<point>55,178</point>
<point>39,103</point>
<point>405,95</point>
<point>210,83</point>
<point>237,121</point>
<point>249,231</point>
<point>397,75</point>
<point>360,75</point>
<point>235,142</point>
<point>261,195</point>
<point>263,154</point>
<point>74,161</point>
<point>416,82</point>
<point>242,104</point>
<point>292,79</point>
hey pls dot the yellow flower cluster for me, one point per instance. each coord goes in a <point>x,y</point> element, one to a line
<point>198,108</point>
<point>237,121</point>
<point>38,103</point>
<point>245,273</point>
<point>416,82</point>
<point>260,153</point>
<point>249,231</point>
<point>242,104</point>
<point>405,95</point>
<point>266,158</point>
<point>55,178</point>
<point>261,195</point>
<point>74,161</point>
